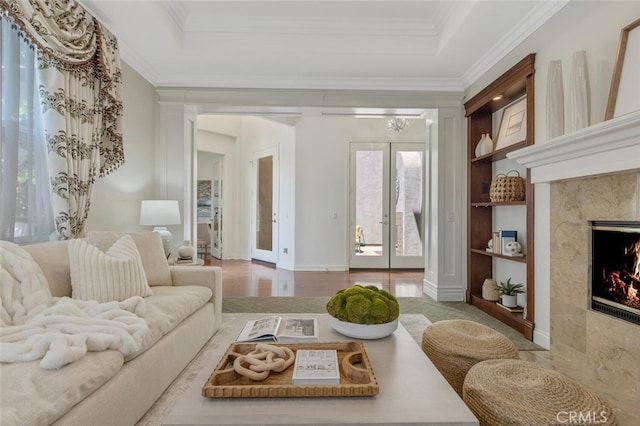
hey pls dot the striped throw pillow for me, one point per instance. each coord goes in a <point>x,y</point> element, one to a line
<point>114,275</point>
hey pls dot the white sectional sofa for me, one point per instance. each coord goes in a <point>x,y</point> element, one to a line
<point>106,388</point>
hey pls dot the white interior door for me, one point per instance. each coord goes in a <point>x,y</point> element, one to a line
<point>386,205</point>
<point>265,206</point>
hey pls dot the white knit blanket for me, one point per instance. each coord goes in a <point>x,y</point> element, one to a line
<point>58,331</point>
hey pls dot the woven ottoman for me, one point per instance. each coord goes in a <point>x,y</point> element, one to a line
<point>521,393</point>
<point>454,346</point>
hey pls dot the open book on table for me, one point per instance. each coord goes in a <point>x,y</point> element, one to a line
<point>280,329</point>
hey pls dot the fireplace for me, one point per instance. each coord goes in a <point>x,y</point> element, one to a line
<point>615,276</point>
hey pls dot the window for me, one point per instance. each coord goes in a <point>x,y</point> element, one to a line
<point>25,206</point>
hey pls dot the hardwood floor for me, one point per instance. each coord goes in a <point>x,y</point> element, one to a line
<point>246,278</point>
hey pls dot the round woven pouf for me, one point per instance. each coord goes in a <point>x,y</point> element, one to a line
<point>522,393</point>
<point>454,346</point>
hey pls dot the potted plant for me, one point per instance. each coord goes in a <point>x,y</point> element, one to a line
<point>363,312</point>
<point>509,292</point>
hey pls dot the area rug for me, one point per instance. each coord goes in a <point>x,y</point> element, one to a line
<point>414,324</point>
<point>435,311</point>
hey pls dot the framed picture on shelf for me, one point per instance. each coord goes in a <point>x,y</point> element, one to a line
<point>624,94</point>
<point>513,125</point>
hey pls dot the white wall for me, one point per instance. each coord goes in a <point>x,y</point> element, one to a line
<point>595,28</point>
<point>322,179</point>
<point>115,204</point>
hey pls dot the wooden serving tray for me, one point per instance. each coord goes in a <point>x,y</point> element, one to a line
<point>356,375</point>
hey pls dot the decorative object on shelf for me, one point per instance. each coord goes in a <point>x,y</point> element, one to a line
<point>185,253</point>
<point>623,94</point>
<point>521,299</point>
<point>363,312</point>
<point>496,246</point>
<point>580,93</point>
<point>490,245</point>
<point>555,100</point>
<point>513,125</point>
<point>485,145</point>
<point>509,292</point>
<point>512,248</point>
<point>160,213</point>
<point>185,250</point>
<point>507,188</point>
<point>490,290</point>
<point>506,237</point>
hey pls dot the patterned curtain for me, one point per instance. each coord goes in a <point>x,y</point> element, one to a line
<point>80,93</point>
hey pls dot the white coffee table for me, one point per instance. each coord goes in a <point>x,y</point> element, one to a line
<point>412,391</point>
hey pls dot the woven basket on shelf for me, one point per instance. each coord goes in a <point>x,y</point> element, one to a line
<point>507,188</point>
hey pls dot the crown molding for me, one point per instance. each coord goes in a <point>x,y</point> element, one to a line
<point>527,25</point>
<point>297,82</point>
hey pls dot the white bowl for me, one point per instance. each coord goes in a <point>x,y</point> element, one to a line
<point>363,331</point>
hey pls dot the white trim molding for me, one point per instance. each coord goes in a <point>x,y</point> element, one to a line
<point>611,146</point>
<point>443,294</point>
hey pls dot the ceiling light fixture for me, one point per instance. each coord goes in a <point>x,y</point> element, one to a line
<point>497,98</point>
<point>397,124</point>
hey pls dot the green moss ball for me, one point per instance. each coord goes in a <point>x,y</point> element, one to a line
<point>364,305</point>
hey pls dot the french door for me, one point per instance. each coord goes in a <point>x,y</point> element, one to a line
<point>386,205</point>
<point>264,246</point>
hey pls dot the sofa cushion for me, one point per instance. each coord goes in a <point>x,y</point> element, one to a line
<point>167,308</point>
<point>33,396</point>
<point>150,247</point>
<point>53,258</point>
<point>114,275</point>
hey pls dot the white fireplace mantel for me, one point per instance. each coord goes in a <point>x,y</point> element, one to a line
<point>612,146</point>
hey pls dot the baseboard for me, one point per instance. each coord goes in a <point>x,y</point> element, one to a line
<point>542,338</point>
<point>441,294</point>
<point>320,268</point>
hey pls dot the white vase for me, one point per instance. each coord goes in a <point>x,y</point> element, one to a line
<point>185,250</point>
<point>580,99</point>
<point>521,299</point>
<point>490,291</point>
<point>555,100</point>
<point>510,300</point>
<point>485,145</point>
<point>478,150</point>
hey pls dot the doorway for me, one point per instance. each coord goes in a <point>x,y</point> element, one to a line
<point>265,204</point>
<point>386,205</point>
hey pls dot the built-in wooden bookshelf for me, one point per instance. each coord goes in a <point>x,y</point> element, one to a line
<point>479,110</point>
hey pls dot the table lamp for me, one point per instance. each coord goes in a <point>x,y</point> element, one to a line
<point>159,214</point>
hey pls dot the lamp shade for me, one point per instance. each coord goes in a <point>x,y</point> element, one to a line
<point>159,212</point>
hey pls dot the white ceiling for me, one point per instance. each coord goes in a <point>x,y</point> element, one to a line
<point>305,44</point>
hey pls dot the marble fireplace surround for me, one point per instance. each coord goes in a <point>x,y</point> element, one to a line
<point>593,174</point>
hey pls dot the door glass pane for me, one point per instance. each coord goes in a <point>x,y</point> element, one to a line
<point>369,208</point>
<point>264,224</point>
<point>408,201</point>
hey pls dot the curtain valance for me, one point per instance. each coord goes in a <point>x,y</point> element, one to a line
<point>71,40</point>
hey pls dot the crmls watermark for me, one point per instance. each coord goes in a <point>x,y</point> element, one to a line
<point>582,417</point>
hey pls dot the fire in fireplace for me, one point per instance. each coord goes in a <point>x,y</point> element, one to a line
<point>615,261</point>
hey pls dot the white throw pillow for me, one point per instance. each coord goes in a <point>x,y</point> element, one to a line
<point>114,275</point>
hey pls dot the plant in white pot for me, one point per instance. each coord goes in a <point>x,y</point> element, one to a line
<point>509,292</point>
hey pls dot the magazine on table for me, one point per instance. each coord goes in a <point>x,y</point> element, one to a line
<point>316,367</point>
<point>280,329</point>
